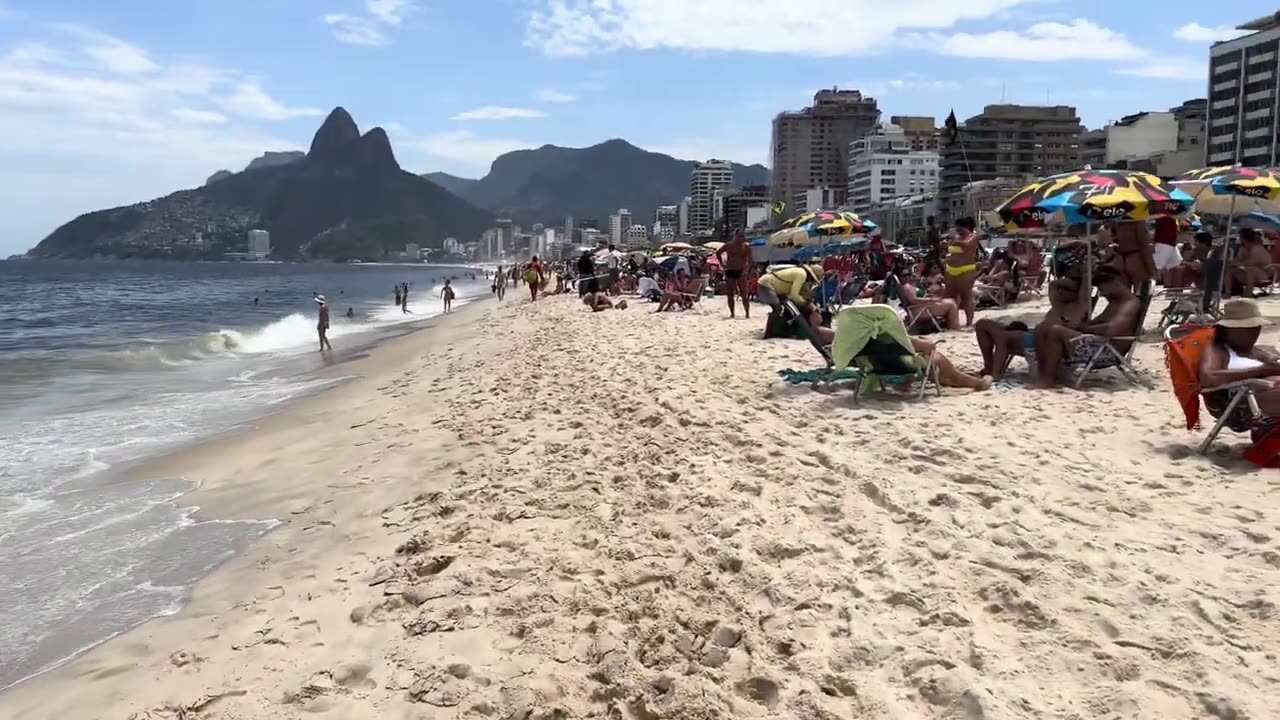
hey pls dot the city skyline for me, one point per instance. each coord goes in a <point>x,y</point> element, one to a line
<point>104,107</point>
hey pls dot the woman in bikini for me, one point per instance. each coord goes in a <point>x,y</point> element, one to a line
<point>962,267</point>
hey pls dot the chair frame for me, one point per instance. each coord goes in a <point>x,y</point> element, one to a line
<point>1107,353</point>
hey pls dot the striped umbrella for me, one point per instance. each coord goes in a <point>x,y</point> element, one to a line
<point>1232,190</point>
<point>1090,196</point>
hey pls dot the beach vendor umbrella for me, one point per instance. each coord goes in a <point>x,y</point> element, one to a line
<point>712,246</point>
<point>1092,196</point>
<point>793,237</point>
<point>676,247</point>
<point>1232,190</point>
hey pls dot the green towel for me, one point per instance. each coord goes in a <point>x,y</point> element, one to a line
<point>800,377</point>
<point>873,339</point>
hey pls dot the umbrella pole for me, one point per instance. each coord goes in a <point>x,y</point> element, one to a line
<point>1226,259</point>
<point>1088,270</point>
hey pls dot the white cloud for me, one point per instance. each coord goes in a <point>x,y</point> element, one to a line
<point>391,12</point>
<point>250,100</point>
<point>799,27</point>
<point>700,149</point>
<point>1167,68</point>
<point>555,96</point>
<point>1042,42</point>
<point>494,112</point>
<point>354,30</point>
<point>461,147</point>
<point>1197,33</point>
<point>198,117</point>
<point>82,130</point>
<point>908,83</point>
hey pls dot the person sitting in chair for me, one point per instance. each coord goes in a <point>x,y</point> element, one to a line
<point>1249,270</point>
<point>998,341</point>
<point>1056,344</point>
<point>1235,356</point>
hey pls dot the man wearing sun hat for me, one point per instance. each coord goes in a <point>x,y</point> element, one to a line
<point>322,323</point>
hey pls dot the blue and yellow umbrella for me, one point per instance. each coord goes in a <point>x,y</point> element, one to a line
<point>1232,190</point>
<point>1093,196</point>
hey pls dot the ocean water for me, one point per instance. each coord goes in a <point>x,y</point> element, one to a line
<point>104,364</point>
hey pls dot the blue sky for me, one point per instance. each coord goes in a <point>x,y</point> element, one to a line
<point>104,103</point>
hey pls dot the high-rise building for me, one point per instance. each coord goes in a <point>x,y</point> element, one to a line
<point>506,241</point>
<point>259,244</point>
<point>1007,142</point>
<point>619,222</point>
<point>682,225</point>
<point>667,215</point>
<point>1242,117</point>
<point>568,229</point>
<point>706,178</point>
<point>451,246</point>
<point>819,198</point>
<point>882,166</point>
<point>731,207</point>
<point>636,238</point>
<point>412,252</point>
<point>920,130</point>
<point>809,148</point>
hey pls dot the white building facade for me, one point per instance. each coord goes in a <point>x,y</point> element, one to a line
<point>882,166</point>
<point>259,244</point>
<point>1244,97</point>
<point>708,177</point>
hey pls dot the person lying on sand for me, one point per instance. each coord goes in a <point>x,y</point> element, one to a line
<point>599,302</point>
<point>1055,344</point>
<point>999,341</point>
<point>948,374</point>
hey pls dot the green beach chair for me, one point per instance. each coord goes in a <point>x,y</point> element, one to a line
<point>873,339</point>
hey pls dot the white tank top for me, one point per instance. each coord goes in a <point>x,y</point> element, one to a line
<point>1236,362</point>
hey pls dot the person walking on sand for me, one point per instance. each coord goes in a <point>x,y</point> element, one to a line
<point>446,294</point>
<point>533,276</point>
<point>322,323</point>
<point>735,258</point>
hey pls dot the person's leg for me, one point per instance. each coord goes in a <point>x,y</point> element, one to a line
<point>948,374</point>
<point>744,289</point>
<point>984,331</point>
<point>1269,402</point>
<point>967,301</point>
<point>320,333</point>
<point>730,289</point>
<point>948,309</point>
<point>1052,342</point>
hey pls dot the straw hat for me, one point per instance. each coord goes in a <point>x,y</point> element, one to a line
<point>1241,314</point>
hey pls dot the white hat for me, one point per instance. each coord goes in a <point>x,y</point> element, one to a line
<point>320,299</point>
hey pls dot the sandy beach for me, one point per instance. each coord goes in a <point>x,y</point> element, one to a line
<point>530,511</point>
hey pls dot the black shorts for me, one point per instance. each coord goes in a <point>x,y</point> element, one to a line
<point>732,274</point>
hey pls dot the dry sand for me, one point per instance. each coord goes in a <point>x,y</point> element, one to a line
<point>538,512</point>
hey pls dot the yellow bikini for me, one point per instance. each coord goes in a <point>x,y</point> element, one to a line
<point>958,270</point>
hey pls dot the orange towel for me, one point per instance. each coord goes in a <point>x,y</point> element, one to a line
<point>1182,357</point>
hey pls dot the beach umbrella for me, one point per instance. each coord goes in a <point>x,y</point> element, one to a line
<point>676,247</point>
<point>1232,190</point>
<point>1091,196</point>
<point>712,246</point>
<point>1261,221</point>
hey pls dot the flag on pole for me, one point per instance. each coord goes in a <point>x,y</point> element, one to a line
<point>778,207</point>
<point>953,127</point>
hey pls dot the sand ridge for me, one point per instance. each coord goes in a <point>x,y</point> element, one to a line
<point>561,514</point>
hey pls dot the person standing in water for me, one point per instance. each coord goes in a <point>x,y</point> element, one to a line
<point>447,295</point>
<point>322,323</point>
<point>404,301</point>
<point>735,258</point>
<point>398,297</point>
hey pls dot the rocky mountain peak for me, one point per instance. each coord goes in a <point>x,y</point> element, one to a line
<point>331,140</point>
<point>374,151</point>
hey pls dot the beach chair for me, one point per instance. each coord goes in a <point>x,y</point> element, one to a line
<point>996,293</point>
<point>891,289</point>
<point>1029,283</point>
<point>695,298</point>
<point>1233,406</point>
<point>873,340</point>
<point>1107,355</point>
<point>1189,304</point>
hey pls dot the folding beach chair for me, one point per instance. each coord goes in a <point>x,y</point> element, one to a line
<point>695,298</point>
<point>915,313</point>
<point>1190,304</point>
<point>1107,354</point>
<point>1234,406</point>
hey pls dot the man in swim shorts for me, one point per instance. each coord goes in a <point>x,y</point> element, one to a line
<point>735,258</point>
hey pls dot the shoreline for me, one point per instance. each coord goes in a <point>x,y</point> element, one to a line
<point>534,511</point>
<point>178,464</point>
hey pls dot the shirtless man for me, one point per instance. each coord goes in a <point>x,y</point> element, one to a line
<point>735,258</point>
<point>1054,342</point>
<point>997,341</point>
<point>962,267</point>
<point>1249,269</point>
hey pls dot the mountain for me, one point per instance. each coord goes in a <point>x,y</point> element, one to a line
<point>218,177</point>
<point>545,184</point>
<point>346,198</point>
<point>272,159</point>
<point>459,186</point>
